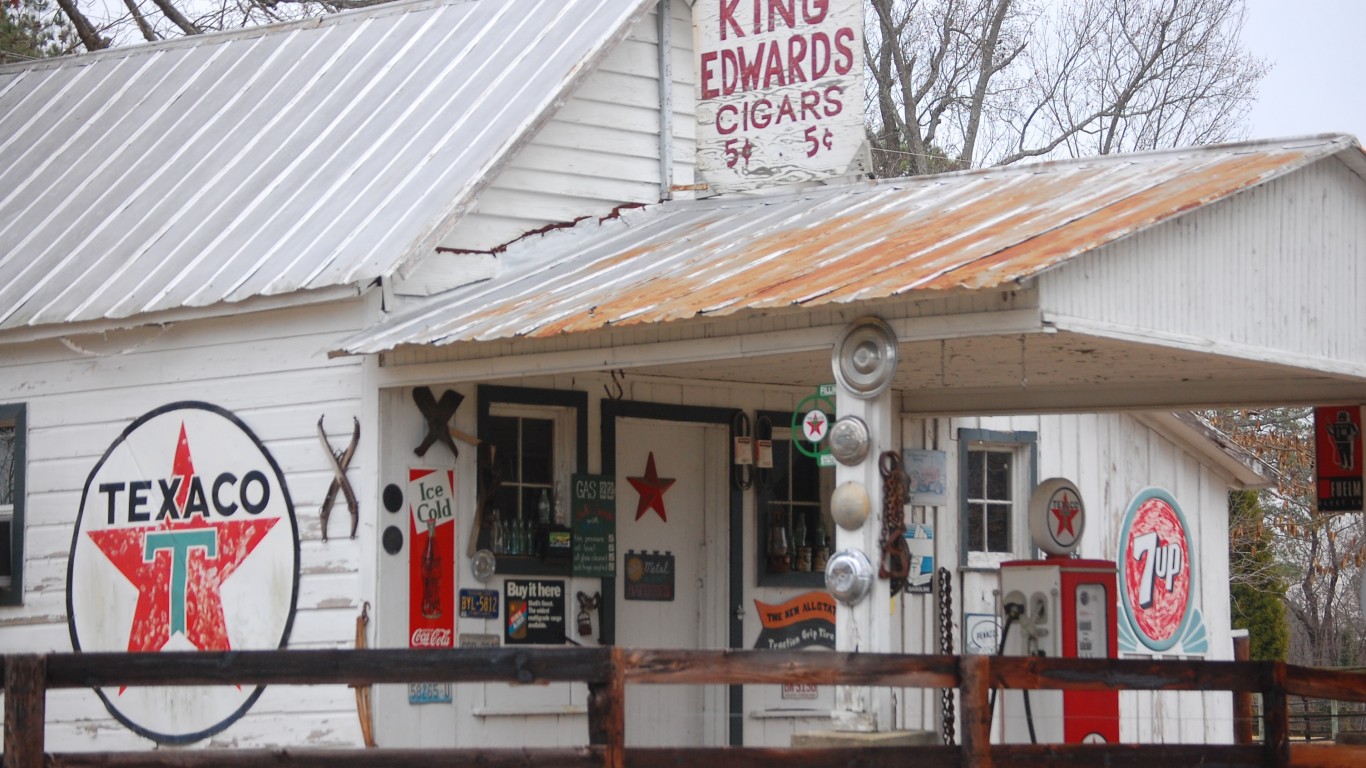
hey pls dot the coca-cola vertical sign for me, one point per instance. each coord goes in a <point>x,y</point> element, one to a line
<point>431,558</point>
<point>779,91</point>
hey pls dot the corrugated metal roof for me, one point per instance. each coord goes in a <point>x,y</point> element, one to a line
<point>265,161</point>
<point>863,242</point>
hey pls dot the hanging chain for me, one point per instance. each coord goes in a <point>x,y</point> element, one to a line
<point>896,556</point>
<point>946,648</point>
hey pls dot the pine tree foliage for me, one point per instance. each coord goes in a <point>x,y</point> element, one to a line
<point>33,29</point>
<point>1258,586</point>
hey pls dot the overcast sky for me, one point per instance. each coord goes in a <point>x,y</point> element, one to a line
<point>1317,50</point>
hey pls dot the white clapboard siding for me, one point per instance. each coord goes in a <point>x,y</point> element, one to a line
<point>272,371</point>
<point>600,149</point>
<point>1110,457</point>
<point>1206,274</point>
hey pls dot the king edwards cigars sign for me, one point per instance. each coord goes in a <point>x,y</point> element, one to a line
<point>779,91</point>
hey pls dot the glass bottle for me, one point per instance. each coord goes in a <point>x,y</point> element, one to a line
<point>431,576</point>
<point>543,508</point>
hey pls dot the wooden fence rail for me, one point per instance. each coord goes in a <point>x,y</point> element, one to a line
<point>607,671</point>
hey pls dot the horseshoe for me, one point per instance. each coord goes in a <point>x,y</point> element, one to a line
<point>340,460</point>
<point>438,416</point>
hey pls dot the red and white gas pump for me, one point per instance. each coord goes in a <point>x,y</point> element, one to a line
<point>1060,606</point>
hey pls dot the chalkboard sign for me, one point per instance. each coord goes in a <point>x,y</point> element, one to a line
<point>593,506</point>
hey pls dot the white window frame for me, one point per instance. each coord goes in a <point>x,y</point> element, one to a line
<point>1023,447</point>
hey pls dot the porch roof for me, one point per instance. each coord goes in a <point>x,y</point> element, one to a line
<point>894,247</point>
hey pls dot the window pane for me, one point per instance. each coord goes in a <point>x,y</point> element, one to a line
<point>976,472</point>
<point>538,451</point>
<point>998,476</point>
<point>506,502</point>
<point>977,538</point>
<point>502,432</point>
<point>998,528</point>
<point>782,450</point>
<point>6,467</point>
<point>806,478</point>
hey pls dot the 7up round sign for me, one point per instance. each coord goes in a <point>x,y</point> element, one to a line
<point>185,541</point>
<point>1157,578</point>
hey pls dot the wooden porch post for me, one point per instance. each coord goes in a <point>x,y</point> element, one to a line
<point>25,698</point>
<point>1242,700</point>
<point>974,678</point>
<point>607,712</point>
<point>1276,718</point>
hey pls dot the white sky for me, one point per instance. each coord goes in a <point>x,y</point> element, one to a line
<point>1317,52</point>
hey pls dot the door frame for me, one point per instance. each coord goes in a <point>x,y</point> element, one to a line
<point>611,411</point>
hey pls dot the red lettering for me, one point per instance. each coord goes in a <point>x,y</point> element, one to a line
<point>833,106</point>
<point>730,73</point>
<point>820,55</point>
<point>761,120</point>
<point>786,13</point>
<point>749,70</point>
<point>821,8</point>
<point>728,18</point>
<point>775,70</point>
<point>787,109</point>
<point>722,111</point>
<point>810,101</point>
<point>844,38</point>
<point>796,51</point>
<point>708,91</point>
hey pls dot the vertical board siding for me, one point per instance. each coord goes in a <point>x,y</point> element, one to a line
<point>1111,457</point>
<point>1198,274</point>
<point>271,370</point>
<point>599,150</point>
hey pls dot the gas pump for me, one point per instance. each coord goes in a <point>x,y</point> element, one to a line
<point>1060,606</point>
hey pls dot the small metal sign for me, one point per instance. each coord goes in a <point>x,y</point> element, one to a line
<point>478,603</point>
<point>429,693</point>
<point>535,612</point>
<point>1338,444</point>
<point>650,576</point>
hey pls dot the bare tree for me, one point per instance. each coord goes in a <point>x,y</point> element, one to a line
<point>1322,553</point>
<point>964,83</point>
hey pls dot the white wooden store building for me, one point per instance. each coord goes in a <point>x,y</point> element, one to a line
<point>212,247</point>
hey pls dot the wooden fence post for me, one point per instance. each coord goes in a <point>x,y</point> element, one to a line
<point>25,697</point>
<point>607,712</point>
<point>1276,718</point>
<point>974,678</point>
<point>1242,700</point>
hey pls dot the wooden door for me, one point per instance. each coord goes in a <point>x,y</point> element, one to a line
<point>672,517</point>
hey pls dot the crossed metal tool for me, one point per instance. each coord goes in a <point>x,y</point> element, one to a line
<point>340,460</point>
<point>438,416</point>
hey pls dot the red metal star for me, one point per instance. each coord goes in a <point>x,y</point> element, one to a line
<point>651,488</point>
<point>1065,511</point>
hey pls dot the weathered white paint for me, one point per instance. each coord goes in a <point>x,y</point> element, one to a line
<point>600,149</point>
<point>271,370</point>
<point>780,98</point>
<point>1204,277</point>
<point>1110,457</point>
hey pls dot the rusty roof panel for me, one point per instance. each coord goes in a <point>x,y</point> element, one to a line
<point>861,242</point>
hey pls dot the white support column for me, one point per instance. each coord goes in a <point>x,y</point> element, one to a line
<point>866,627</point>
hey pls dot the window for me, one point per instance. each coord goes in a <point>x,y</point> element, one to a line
<point>997,474</point>
<point>794,513</point>
<point>12,442</point>
<point>537,439</point>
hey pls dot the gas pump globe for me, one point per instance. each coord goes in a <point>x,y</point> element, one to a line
<point>1060,606</point>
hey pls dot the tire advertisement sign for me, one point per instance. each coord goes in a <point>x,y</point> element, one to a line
<point>185,540</point>
<point>779,91</point>
<point>1338,459</point>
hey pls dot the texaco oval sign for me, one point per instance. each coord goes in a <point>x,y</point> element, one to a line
<point>1156,569</point>
<point>186,540</point>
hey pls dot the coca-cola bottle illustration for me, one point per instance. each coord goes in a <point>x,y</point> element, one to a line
<point>431,576</point>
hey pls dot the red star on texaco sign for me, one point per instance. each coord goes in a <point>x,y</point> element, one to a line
<point>651,488</point>
<point>179,567</point>
<point>1065,511</point>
